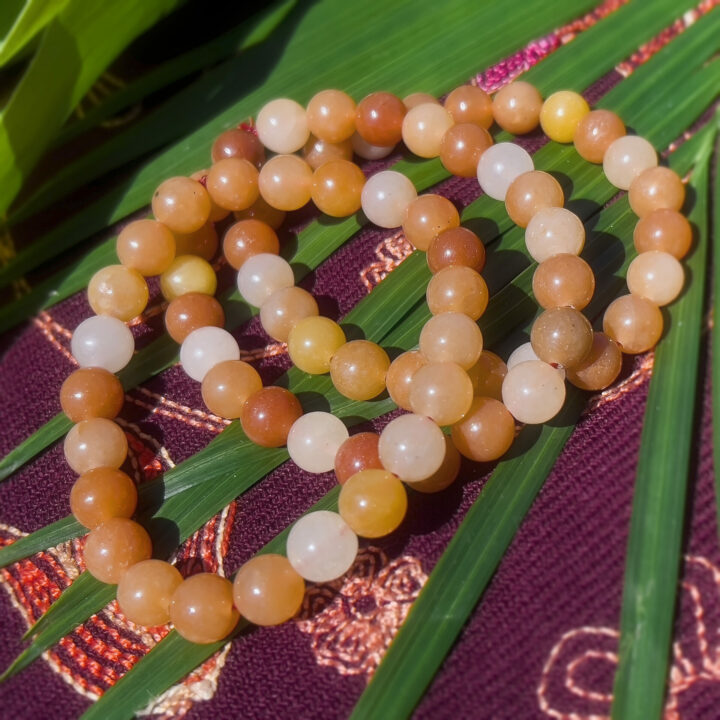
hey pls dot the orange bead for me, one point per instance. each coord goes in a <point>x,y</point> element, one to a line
<point>457,289</point>
<point>441,391</point>
<point>445,475</point>
<point>227,386</point>
<point>424,127</point>
<point>486,432</point>
<point>115,546</point>
<point>317,152</point>
<point>331,115</point>
<point>93,443</point>
<point>451,337</point>
<point>91,392</point>
<point>233,183</point>
<point>461,148</point>
<point>146,246</point>
<point>634,323</point>
<point>487,375</point>
<point>238,143</point>
<point>217,213</point>
<point>530,192</point>
<point>358,452</point>
<point>203,242</point>
<point>101,494</point>
<point>190,312</point>
<point>664,230</point>
<point>144,592</point>
<point>284,309</point>
<point>268,415</point>
<point>182,204</point>
<point>457,246</point>
<point>595,132</point>
<point>247,238</point>
<point>286,182</point>
<point>260,210</point>
<point>600,368</point>
<point>428,216</point>
<point>336,188</point>
<point>373,503</point>
<point>562,336</point>
<point>400,374</point>
<point>418,98</point>
<point>563,280</point>
<point>657,188</point>
<point>118,291</point>
<point>516,107</point>
<point>358,369</point>
<point>470,104</point>
<point>379,117</point>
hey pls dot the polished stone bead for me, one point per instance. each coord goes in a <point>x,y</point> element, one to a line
<point>531,192</point>
<point>601,366</point>
<point>190,312</point>
<point>426,217</point>
<point>445,475</point>
<point>457,289</point>
<point>233,183</point>
<point>456,246</point>
<point>104,342</point>
<point>247,238</point>
<point>282,126</point>
<point>400,374</point>
<point>516,107</point>
<point>499,165</point>
<point>227,385</point>
<point>533,392</point>
<point>657,276</point>
<point>114,547</point>
<point>665,230</point>
<point>118,291</point>
<point>373,503</point>
<point>563,280</point>
<point>358,452</point>
<point>145,590</point>
<point>412,447</point>
<point>634,323</point>
<point>486,432</point>
<point>238,143</point>
<point>379,118</point>
<point>451,337</point>
<point>331,115</point>
<point>657,188</point>
<point>423,129</point>
<point>337,188</point>
<point>470,104</point>
<point>100,494</point>
<point>260,210</point>
<point>385,198</point>
<point>91,392</point>
<point>262,275</point>
<point>217,213</point>
<point>487,375</point>
<point>595,132</point>
<point>203,242</point>
<point>146,246</point>
<point>442,391</point>
<point>312,342</point>
<point>94,443</point>
<point>314,439</point>
<point>367,151</point>
<point>285,182</point>
<point>552,231</point>
<point>318,152</point>
<point>562,336</point>
<point>284,309</point>
<point>561,113</point>
<point>188,274</point>
<point>182,204</point>
<point>358,369</point>
<point>461,148</point>
<point>268,415</point>
<point>626,158</point>
<point>525,352</point>
<point>418,98</point>
<point>205,348</point>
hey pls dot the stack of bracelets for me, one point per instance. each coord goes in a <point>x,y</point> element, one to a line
<point>449,381</point>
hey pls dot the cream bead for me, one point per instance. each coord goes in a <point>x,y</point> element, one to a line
<point>412,447</point>
<point>314,439</point>
<point>533,392</point>
<point>499,165</point>
<point>626,158</point>
<point>423,129</point>
<point>365,150</point>
<point>656,276</point>
<point>261,275</point>
<point>282,126</point>
<point>523,353</point>
<point>321,546</point>
<point>102,341</point>
<point>451,337</point>
<point>385,197</point>
<point>552,231</point>
<point>204,348</point>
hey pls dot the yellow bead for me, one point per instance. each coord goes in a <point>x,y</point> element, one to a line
<point>186,274</point>
<point>561,113</point>
<point>312,343</point>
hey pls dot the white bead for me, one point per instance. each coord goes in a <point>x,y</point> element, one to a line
<point>367,151</point>
<point>626,158</point>
<point>321,546</point>
<point>103,341</point>
<point>204,348</point>
<point>499,165</point>
<point>314,439</point>
<point>523,353</point>
<point>261,275</point>
<point>282,126</point>
<point>385,197</point>
<point>533,392</point>
<point>552,231</point>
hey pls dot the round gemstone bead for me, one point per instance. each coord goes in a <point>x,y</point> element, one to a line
<point>418,98</point>
<point>400,374</point>
<point>118,291</point>
<point>657,188</point>
<point>461,148</point>
<point>104,342</point>
<point>457,246</point>
<point>190,312</point>
<point>91,392</point>
<point>312,342</point>
<point>100,494</point>
<point>379,118</point>
<point>601,366</point>
<point>145,590</point>
<point>358,369</point>
<point>285,182</point>
<point>282,126</point>
<point>358,452</point>
<point>268,415</point>
<point>533,392</point>
<point>238,143</point>
<point>182,204</point>
<point>188,274</point>
<point>517,106</point>
<point>337,188</point>
<point>202,242</point>
<point>486,432</point>
<point>367,151</point>
<point>487,375</point>
<point>146,246</point>
<point>284,309</point>
<point>331,115</point>
<point>321,546</point>
<point>595,132</point>
<point>445,475</point>
<point>318,152</point>
<point>412,447</point>
<point>442,391</point>
<point>260,210</point>
<point>373,503</point>
<point>233,183</point>
<point>247,238</point>
<point>552,231</point>
<point>656,276</point>
<point>451,337</point>
<point>114,547</point>
<point>95,443</point>
<point>561,113</point>
<point>267,590</point>
<point>499,165</point>
<point>563,280</point>
<point>626,158</point>
<point>634,323</point>
<point>562,336</point>
<point>261,275</point>
<point>426,217</point>
<point>523,353</point>
<point>385,198</point>
<point>201,608</point>
<point>227,386</point>
<point>531,192</point>
<point>457,289</point>
<point>665,230</point>
<point>470,104</point>
<point>217,213</point>
<point>314,439</point>
<point>205,348</point>
<point>423,129</point>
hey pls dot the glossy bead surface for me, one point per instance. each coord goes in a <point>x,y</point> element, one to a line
<point>470,104</point>
<point>285,182</point>
<point>426,217</point>
<point>233,183</point>
<point>227,385</point>
<point>412,447</point>
<point>114,547</point>
<point>205,348</point>
<point>358,452</point>
<point>657,188</point>
<point>457,246</point>
<point>202,242</point>
<point>461,148</point>
<point>358,369</point>
<point>91,392</point>
<point>188,274</point>
<point>442,391</point>
<point>626,158</point>
<point>486,432</point>
<point>145,590</point>
<point>595,132</point>
<point>601,366</point>
<point>104,342</point>
<point>656,276</point>
<point>487,375</point>
<point>418,98</point>
<point>261,275</point>
<point>499,165</point>
<point>282,126</point>
<point>400,374</point>
<point>561,336</point>
<point>451,337</point>
<point>457,289</point>
<point>373,503</point>
<point>182,204</point>
<point>379,118</point>
<point>665,230</point>
<point>190,312</point>
<point>260,210</point>
<point>531,192</point>
<point>100,494</point>
<point>385,198</point>
<point>238,143</point>
<point>318,152</point>
<point>561,114</point>
<point>312,342</point>
<point>283,309</point>
<point>201,608</point>
<point>634,323</point>
<point>533,392</point>
<point>314,439</point>
<point>146,246</point>
<point>552,231</point>
<point>267,590</point>
<point>367,151</point>
<point>516,107</point>
<point>423,129</point>
<point>523,353</point>
<point>247,238</point>
<point>268,415</point>
<point>321,546</point>
<point>331,115</point>
<point>445,475</point>
<point>118,291</point>
<point>337,188</point>
<point>95,443</point>
<point>563,280</point>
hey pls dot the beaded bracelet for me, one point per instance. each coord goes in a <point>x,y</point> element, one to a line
<point>451,380</point>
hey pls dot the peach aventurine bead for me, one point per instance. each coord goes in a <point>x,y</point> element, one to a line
<point>665,230</point>
<point>368,151</point>
<point>233,183</point>
<point>412,447</point>
<point>203,242</point>
<point>561,336</point>
<point>267,590</point>
<point>379,118</point>
<point>268,415</point>
<point>385,198</point>
<point>445,475</point>
<point>595,132</point>
<point>284,308</point>
<point>552,231</point>
<point>204,348</point>
<point>400,374</point>
<point>261,275</point>
<point>499,165</point>
<point>358,452</point>
<point>516,107</point>
<point>486,432</point>
<point>188,274</point>
<point>457,289</point>
<point>260,210</point>
<point>634,323</point>
<point>285,182</point>
<point>657,188</point>
<point>114,547</point>
<point>461,148</point>
<point>337,188</point>
<point>331,115</point>
<point>373,503</point>
<point>145,590</point>
<point>282,125</point>
<point>533,392</point>
<point>418,98</point>
<point>93,443</point>
<point>601,366</point>
<point>312,342</point>
<point>238,143</point>
<point>531,192</point>
<point>442,391</point>
<point>451,337</point>
<point>190,312</point>
<point>626,158</point>
<point>100,494</point>
<point>118,291</point>
<point>146,246</point>
<point>423,129</point>
<point>317,152</point>
<point>246,238</point>
<point>470,104</point>
<point>217,213</point>
<point>426,217</point>
<point>91,392</point>
<point>358,369</point>
<point>182,204</point>
<point>227,385</point>
<point>456,246</point>
<point>656,276</point>
<point>487,375</point>
<point>102,341</point>
<point>202,610</point>
<point>561,113</point>
<point>314,439</point>
<point>563,280</point>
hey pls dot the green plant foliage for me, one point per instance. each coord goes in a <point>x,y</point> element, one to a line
<point>21,20</point>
